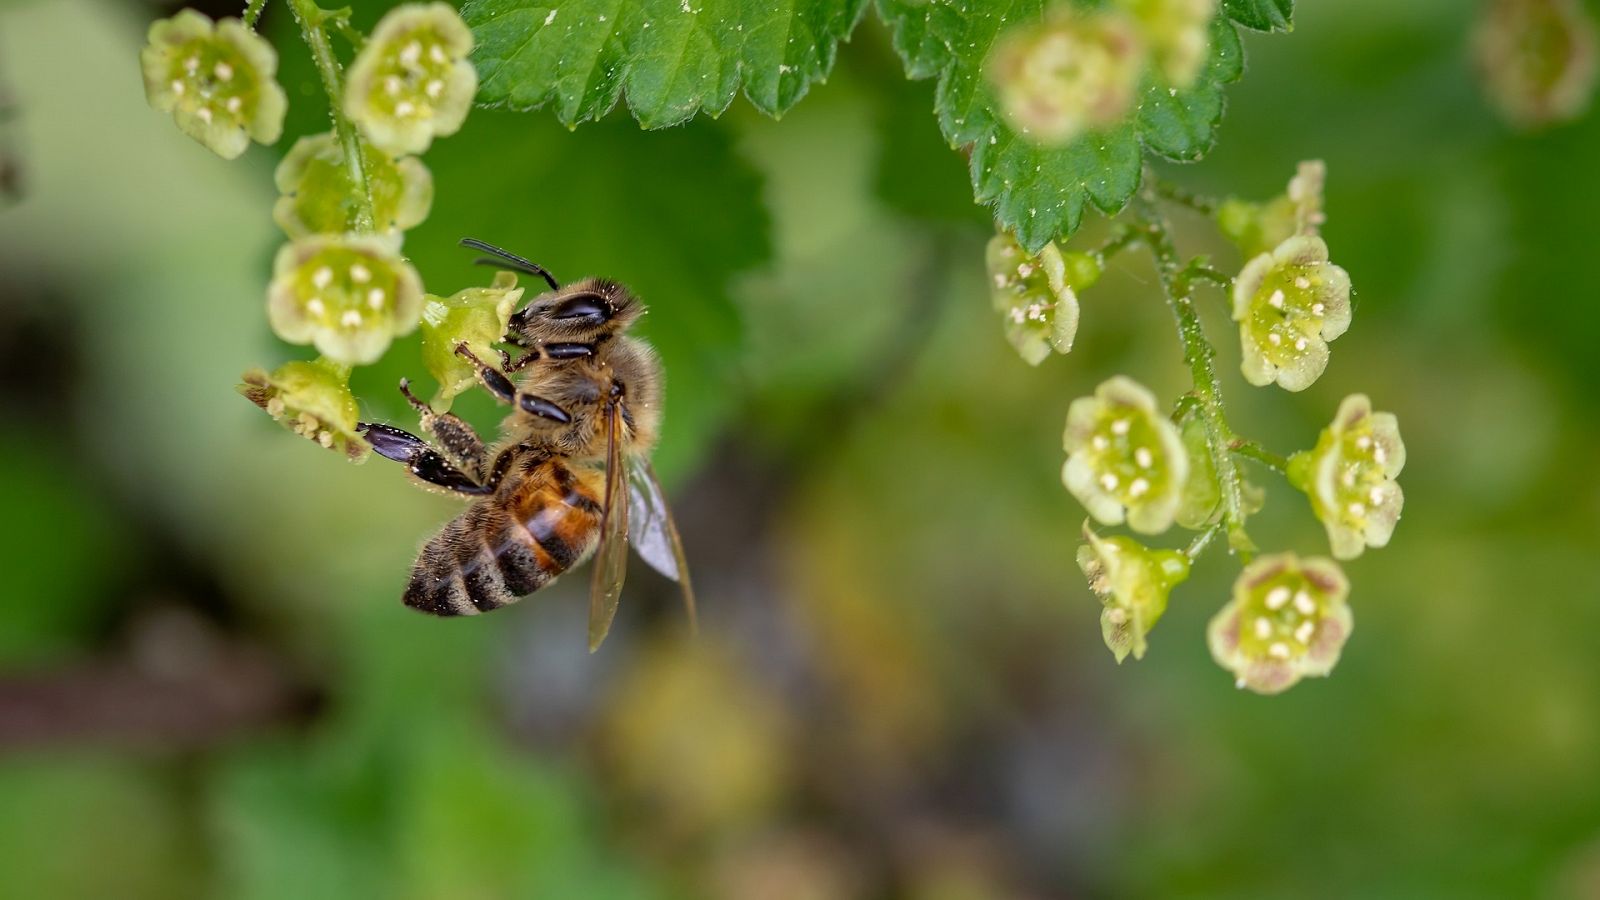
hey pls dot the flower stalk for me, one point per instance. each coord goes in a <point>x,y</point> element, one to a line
<point>313,20</point>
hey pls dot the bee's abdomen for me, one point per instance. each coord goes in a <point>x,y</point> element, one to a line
<point>507,547</point>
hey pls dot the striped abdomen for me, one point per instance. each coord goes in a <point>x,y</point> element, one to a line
<point>509,545</point>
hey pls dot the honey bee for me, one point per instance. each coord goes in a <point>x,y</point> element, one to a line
<point>585,413</point>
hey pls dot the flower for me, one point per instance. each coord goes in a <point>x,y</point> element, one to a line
<point>1536,59</point>
<point>474,316</point>
<point>412,81</point>
<point>217,80</point>
<point>1073,73</point>
<point>1177,32</point>
<point>1133,582</point>
<point>1259,227</point>
<point>318,197</point>
<point>313,400</point>
<point>1035,295</point>
<point>1350,477</point>
<point>349,295</point>
<point>1287,620</point>
<point>1289,303</point>
<point>1123,455</point>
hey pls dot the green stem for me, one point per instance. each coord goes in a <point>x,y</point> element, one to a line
<point>252,12</point>
<point>1206,273</point>
<point>1199,355</point>
<point>1120,240</point>
<point>1172,193</point>
<point>312,18</point>
<point>1252,450</point>
<point>1201,540</point>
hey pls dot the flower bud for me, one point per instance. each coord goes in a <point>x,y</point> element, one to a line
<point>318,198</point>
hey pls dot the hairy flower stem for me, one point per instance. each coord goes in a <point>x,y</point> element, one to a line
<point>313,20</point>
<point>1254,451</point>
<point>252,12</point>
<point>1198,353</point>
<point>1166,190</point>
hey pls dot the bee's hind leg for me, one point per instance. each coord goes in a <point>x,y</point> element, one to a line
<point>419,457</point>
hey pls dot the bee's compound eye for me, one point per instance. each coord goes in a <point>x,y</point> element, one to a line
<point>582,306</point>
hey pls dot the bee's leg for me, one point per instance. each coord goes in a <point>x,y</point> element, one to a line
<point>504,391</point>
<point>460,442</point>
<point>424,462</point>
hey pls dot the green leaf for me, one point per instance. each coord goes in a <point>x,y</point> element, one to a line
<point>1036,191</point>
<point>1261,15</point>
<point>671,58</point>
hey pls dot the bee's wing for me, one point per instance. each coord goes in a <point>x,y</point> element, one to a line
<point>655,535</point>
<point>611,559</point>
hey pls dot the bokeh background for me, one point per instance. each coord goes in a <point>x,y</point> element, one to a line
<point>208,687</point>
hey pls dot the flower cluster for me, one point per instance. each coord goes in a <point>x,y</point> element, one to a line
<point>412,81</point>
<point>1036,296</point>
<point>217,79</point>
<point>1080,70</point>
<point>1287,620</point>
<point>1350,477</point>
<point>1124,458</point>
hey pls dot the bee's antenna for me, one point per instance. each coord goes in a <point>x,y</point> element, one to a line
<point>507,260</point>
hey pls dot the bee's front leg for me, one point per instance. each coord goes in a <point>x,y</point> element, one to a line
<point>460,442</point>
<point>419,457</point>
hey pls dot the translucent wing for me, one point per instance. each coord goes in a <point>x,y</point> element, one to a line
<point>611,559</point>
<point>655,535</point>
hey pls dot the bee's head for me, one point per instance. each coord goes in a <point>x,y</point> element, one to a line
<point>581,311</point>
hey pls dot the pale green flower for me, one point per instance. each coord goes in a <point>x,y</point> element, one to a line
<point>318,198</point>
<point>1289,303</point>
<point>1537,59</point>
<point>313,400</point>
<point>1124,458</point>
<point>1076,72</point>
<point>1258,228</point>
<point>1035,295</point>
<point>412,81</point>
<point>474,316</point>
<point>216,79</point>
<point>1178,34</point>
<point>1132,581</point>
<point>349,295</point>
<point>1350,477</point>
<point>1287,620</point>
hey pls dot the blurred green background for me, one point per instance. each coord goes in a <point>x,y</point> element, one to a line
<point>208,687</point>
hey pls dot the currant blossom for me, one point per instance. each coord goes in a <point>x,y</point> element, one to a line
<point>349,295</point>
<point>1287,620</point>
<point>1132,581</point>
<point>1289,303</point>
<point>313,400</point>
<point>412,81</point>
<point>474,316</point>
<point>1076,72</point>
<point>1257,228</point>
<point>1035,295</point>
<point>1177,32</point>
<point>217,79</point>
<point>318,198</point>
<point>1124,458</point>
<point>1537,59</point>
<point>1350,477</point>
